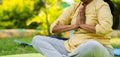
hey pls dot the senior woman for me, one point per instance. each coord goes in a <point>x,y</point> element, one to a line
<point>92,22</point>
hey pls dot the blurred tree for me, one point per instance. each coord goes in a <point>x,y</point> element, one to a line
<point>77,0</point>
<point>37,6</point>
<point>47,15</point>
<point>116,20</point>
<point>15,13</point>
<point>0,1</point>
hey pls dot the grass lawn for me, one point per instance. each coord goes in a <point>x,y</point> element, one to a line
<point>25,55</point>
<point>8,47</point>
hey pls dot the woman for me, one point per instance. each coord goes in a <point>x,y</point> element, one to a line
<point>92,22</point>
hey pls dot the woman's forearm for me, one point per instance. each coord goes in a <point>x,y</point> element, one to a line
<point>63,28</point>
<point>87,27</point>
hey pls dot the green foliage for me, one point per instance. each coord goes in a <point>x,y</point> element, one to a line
<point>46,16</point>
<point>27,14</point>
<point>116,20</point>
<point>15,13</point>
<point>52,2</point>
<point>117,6</point>
<point>77,0</point>
<point>37,5</point>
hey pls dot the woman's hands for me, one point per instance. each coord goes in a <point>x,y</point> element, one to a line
<point>80,22</point>
<point>81,16</point>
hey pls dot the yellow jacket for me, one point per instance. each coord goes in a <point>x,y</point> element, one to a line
<point>98,14</point>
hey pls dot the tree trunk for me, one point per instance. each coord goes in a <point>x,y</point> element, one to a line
<point>47,22</point>
<point>0,1</point>
<point>119,23</point>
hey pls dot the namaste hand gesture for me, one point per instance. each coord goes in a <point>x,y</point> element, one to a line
<point>81,16</point>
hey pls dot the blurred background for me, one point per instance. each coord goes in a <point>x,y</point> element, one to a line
<point>20,20</point>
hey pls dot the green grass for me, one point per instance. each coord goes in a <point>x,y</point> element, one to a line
<point>25,55</point>
<point>8,47</point>
<point>116,43</point>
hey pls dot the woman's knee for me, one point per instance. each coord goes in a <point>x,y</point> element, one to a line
<point>93,43</point>
<point>36,39</point>
<point>95,46</point>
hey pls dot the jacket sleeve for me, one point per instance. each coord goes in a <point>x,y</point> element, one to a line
<point>105,21</point>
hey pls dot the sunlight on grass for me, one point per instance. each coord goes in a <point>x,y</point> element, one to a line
<point>25,55</point>
<point>116,42</point>
<point>8,47</point>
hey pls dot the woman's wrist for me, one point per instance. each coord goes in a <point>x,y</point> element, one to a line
<point>81,25</point>
<point>75,26</point>
<point>90,28</point>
